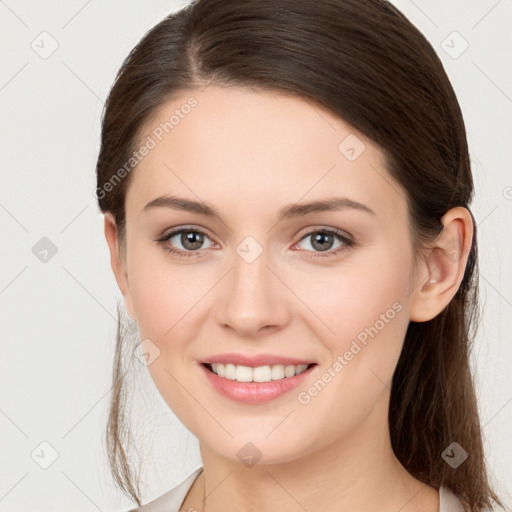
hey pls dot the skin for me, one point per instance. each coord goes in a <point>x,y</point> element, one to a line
<point>248,154</point>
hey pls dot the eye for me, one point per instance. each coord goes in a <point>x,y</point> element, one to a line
<point>322,240</point>
<point>190,239</point>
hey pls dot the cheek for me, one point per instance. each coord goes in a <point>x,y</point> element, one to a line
<point>369,324</point>
<point>369,307</point>
<point>363,320</point>
<point>353,300</point>
<point>166,298</point>
<point>163,294</point>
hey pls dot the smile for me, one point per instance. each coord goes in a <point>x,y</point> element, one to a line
<point>249,389</point>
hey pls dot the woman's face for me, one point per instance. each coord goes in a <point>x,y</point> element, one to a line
<point>264,277</point>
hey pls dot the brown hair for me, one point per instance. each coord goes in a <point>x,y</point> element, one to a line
<point>366,62</point>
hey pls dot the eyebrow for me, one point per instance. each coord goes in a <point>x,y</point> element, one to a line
<point>287,212</point>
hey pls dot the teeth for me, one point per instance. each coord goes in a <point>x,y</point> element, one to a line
<point>258,374</point>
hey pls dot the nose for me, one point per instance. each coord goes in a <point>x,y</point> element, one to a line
<point>252,300</point>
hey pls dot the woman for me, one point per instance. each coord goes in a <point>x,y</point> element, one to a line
<point>286,188</point>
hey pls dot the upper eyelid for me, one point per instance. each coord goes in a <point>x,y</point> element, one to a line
<point>173,232</point>
<point>317,229</point>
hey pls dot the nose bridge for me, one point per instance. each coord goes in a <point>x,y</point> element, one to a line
<point>251,295</point>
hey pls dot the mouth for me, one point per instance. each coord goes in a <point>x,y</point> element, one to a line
<point>256,385</point>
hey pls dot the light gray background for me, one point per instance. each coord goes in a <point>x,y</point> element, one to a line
<point>58,316</point>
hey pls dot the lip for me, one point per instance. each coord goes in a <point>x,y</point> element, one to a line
<point>255,392</point>
<point>255,360</point>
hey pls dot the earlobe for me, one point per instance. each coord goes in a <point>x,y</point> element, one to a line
<point>117,262</point>
<point>444,266</point>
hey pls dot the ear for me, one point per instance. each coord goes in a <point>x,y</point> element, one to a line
<point>118,262</point>
<point>443,269</point>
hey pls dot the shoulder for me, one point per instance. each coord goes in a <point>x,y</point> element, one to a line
<point>449,502</point>
<point>171,501</point>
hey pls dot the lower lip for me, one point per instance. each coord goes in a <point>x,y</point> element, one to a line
<point>255,392</point>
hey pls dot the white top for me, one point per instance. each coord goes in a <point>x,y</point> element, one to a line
<point>172,500</point>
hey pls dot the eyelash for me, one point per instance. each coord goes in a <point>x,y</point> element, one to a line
<point>348,243</point>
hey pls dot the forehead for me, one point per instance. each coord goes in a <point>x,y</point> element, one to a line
<point>240,147</point>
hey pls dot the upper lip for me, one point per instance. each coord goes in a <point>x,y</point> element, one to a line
<point>254,360</point>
